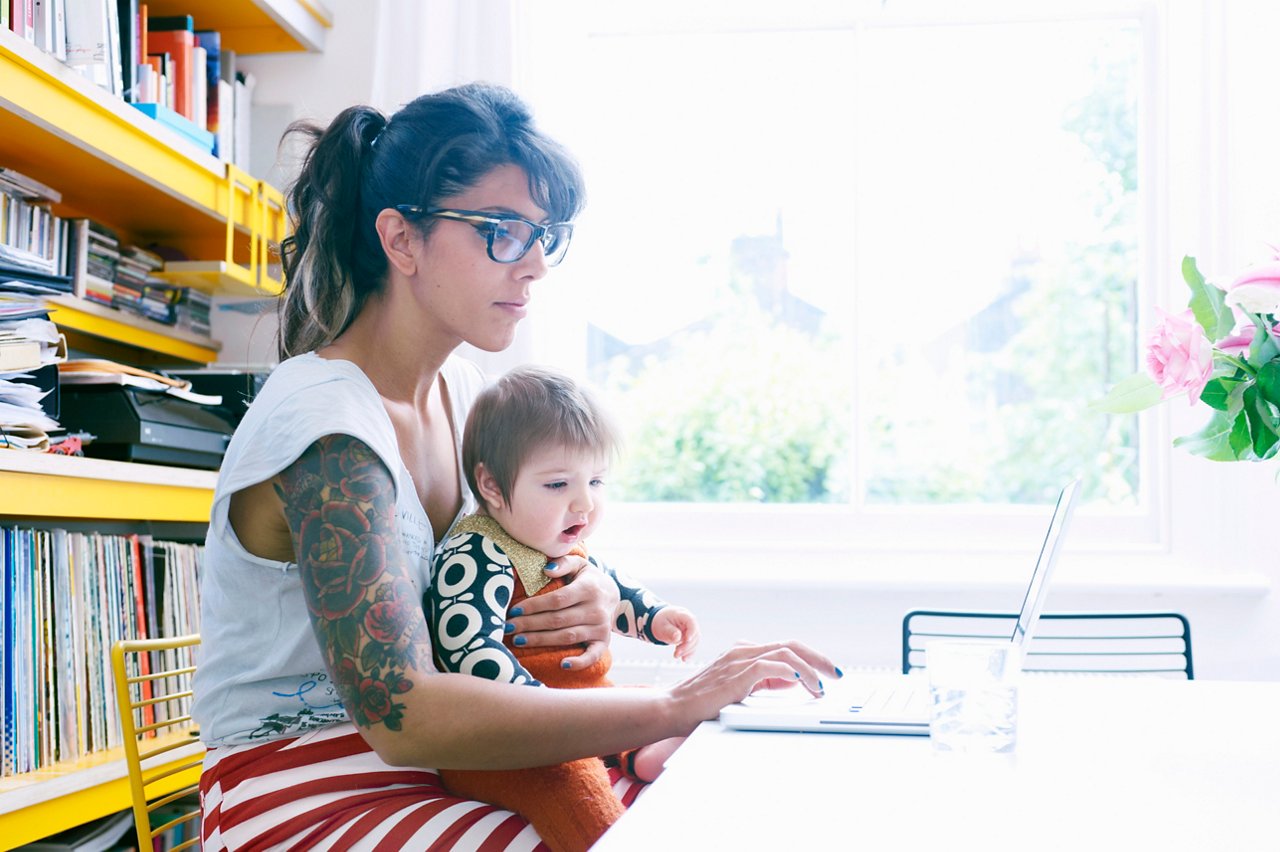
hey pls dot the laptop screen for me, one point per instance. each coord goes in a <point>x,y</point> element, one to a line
<point>1033,602</point>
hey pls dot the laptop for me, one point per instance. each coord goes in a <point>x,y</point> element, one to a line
<point>891,704</point>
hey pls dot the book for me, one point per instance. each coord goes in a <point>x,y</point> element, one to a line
<point>202,139</point>
<point>169,23</point>
<point>113,50</point>
<point>211,42</point>
<point>179,44</point>
<point>130,48</point>
<point>15,182</point>
<point>89,49</point>
<point>199,88</point>
<point>22,18</point>
<point>162,94</point>
<point>77,254</point>
<point>42,18</point>
<point>60,29</point>
<point>18,355</point>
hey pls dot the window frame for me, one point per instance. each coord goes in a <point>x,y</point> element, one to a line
<point>1179,210</point>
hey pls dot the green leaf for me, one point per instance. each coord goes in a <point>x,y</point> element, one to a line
<point>1269,382</point>
<point>1262,425</point>
<point>1207,302</point>
<point>1217,392</point>
<point>1133,394</point>
<point>1239,440</point>
<point>348,635</point>
<point>370,656</point>
<point>1214,440</point>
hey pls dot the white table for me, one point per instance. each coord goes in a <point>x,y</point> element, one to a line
<point>1101,764</point>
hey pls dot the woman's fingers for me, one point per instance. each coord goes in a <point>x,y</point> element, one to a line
<point>580,612</point>
<point>746,668</point>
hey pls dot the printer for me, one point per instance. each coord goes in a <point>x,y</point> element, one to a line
<point>145,426</point>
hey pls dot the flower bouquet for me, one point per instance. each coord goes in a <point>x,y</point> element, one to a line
<point>1224,351</point>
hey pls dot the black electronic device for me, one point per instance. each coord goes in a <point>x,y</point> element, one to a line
<point>145,426</point>
<point>237,387</point>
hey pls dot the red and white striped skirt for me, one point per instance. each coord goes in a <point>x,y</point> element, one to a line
<point>328,789</point>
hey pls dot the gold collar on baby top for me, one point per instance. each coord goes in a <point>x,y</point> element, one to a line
<point>527,562</point>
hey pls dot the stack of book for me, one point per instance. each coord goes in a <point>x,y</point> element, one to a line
<point>193,311</point>
<point>31,236</point>
<point>160,302</point>
<point>30,349</point>
<point>100,265</point>
<point>69,596</point>
<point>179,75</point>
<point>134,281</point>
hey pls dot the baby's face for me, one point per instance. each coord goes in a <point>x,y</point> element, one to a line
<point>556,500</point>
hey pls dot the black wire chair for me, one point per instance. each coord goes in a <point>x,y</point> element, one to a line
<point>1104,643</point>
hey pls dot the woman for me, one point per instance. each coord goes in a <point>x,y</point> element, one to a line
<point>412,235</point>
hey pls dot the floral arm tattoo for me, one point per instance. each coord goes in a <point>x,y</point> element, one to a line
<point>339,502</point>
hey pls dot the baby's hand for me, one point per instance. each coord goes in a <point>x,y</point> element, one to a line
<point>676,626</point>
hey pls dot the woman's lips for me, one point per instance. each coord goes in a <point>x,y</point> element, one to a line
<point>516,309</point>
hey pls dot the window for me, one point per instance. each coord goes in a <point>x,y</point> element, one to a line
<point>858,264</point>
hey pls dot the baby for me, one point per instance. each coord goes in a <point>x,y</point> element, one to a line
<point>536,450</point>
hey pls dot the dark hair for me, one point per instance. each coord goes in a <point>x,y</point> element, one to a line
<point>529,408</point>
<point>436,146</point>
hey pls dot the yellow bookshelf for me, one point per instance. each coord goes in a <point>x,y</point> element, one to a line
<point>42,485</point>
<point>116,166</point>
<point>82,318</point>
<point>50,800</point>
<point>260,26</point>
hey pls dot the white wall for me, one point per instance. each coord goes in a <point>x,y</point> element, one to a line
<point>1219,566</point>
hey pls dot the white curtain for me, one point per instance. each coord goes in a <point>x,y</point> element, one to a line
<point>426,45</point>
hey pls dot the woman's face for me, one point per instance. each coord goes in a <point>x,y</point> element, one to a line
<point>470,296</point>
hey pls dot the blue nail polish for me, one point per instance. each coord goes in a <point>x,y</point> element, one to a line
<point>565,664</point>
<point>838,672</point>
<point>520,640</point>
<point>797,675</point>
<point>551,566</point>
<point>508,628</point>
<point>515,610</point>
<point>821,688</point>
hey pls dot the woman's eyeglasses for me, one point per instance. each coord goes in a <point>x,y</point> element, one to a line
<point>509,237</point>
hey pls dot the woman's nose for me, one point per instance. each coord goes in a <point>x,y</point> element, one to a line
<point>534,262</point>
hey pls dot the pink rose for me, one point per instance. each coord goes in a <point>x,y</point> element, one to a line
<point>1257,289</point>
<point>1179,356</point>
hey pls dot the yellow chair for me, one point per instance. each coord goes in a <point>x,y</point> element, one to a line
<point>164,755</point>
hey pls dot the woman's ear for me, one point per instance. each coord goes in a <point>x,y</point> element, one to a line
<point>490,493</point>
<point>398,239</point>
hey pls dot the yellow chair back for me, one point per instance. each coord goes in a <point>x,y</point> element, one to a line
<point>161,744</point>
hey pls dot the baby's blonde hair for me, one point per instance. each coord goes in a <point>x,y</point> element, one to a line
<point>525,410</point>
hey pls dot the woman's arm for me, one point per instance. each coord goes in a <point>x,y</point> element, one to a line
<point>340,508</point>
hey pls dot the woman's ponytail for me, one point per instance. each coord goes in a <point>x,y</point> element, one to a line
<point>325,284</point>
